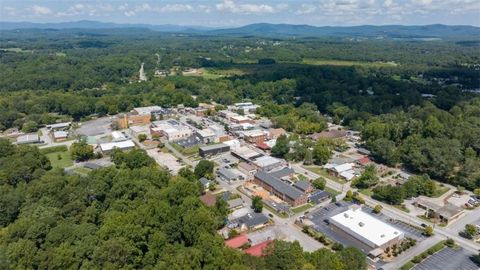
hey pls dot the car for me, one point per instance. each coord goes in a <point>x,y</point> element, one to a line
<point>306,212</point>
<point>338,204</point>
<point>270,215</point>
<point>326,221</point>
<point>423,225</point>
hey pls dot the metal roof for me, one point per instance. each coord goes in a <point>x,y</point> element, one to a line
<point>302,185</point>
<point>278,185</point>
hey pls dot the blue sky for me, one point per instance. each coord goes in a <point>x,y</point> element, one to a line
<point>227,13</point>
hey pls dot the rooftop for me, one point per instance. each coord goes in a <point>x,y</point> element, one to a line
<point>366,227</point>
<point>257,250</point>
<point>60,134</point>
<point>266,161</point>
<point>213,147</point>
<point>147,110</point>
<point>253,219</point>
<point>278,185</point>
<point>302,185</point>
<point>237,241</point>
<point>120,145</point>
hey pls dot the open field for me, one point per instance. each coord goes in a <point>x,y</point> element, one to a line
<point>319,62</point>
<point>215,73</point>
<point>322,172</point>
<point>60,159</point>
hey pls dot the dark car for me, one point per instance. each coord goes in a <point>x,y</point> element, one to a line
<point>423,225</point>
<point>270,215</point>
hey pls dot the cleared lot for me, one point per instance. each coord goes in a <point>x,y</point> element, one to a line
<point>447,258</point>
<point>95,127</point>
<point>166,160</point>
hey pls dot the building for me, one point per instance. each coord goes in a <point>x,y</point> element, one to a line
<point>208,199</point>
<point>246,168</point>
<point>205,183</point>
<point>28,138</point>
<point>366,231</point>
<point>258,250</point>
<point>137,130</point>
<point>246,107</point>
<point>285,172</point>
<point>363,151</point>
<point>234,144</point>
<point>60,135</point>
<point>171,129</point>
<point>255,136</point>
<point>364,161</point>
<point>319,196</point>
<point>150,110</point>
<point>206,135</point>
<point>123,145</point>
<point>240,119</point>
<point>126,120</point>
<point>237,241</point>
<point>212,150</point>
<point>274,133</point>
<point>280,189</point>
<point>227,174</point>
<point>267,163</point>
<point>118,136</point>
<point>446,213</point>
<point>245,153</point>
<point>235,203</point>
<point>251,221</point>
<point>59,126</point>
<point>303,186</point>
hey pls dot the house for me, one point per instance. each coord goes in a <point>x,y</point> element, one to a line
<point>303,186</point>
<point>319,196</point>
<point>205,183</point>
<point>208,199</point>
<point>280,189</point>
<point>60,135</point>
<point>212,150</point>
<point>28,138</point>
<point>237,241</point>
<point>251,221</point>
<point>235,203</point>
<point>123,145</point>
<point>259,249</point>
<point>364,161</point>
<point>347,175</point>
<point>363,151</point>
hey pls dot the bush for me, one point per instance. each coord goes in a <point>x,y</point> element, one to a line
<point>337,246</point>
<point>417,259</point>
<point>450,242</point>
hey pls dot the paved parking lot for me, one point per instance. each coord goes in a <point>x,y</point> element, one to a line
<point>95,127</point>
<point>166,160</point>
<point>447,258</point>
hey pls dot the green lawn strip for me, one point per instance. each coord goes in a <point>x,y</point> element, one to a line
<point>400,207</point>
<point>82,171</point>
<point>332,191</point>
<point>440,191</point>
<point>301,208</point>
<point>366,192</point>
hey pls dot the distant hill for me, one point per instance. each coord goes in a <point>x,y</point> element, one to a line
<point>276,30</point>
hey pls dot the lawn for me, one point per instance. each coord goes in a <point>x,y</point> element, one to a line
<point>60,159</point>
<point>403,208</point>
<point>440,191</point>
<point>301,208</point>
<point>82,171</point>
<point>332,191</point>
<point>366,192</point>
<point>320,62</point>
<point>214,73</point>
<point>322,172</point>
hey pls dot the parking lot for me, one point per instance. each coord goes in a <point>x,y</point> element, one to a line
<point>447,258</point>
<point>166,160</point>
<point>95,127</point>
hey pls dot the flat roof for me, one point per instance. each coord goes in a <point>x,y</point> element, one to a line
<point>120,145</point>
<point>147,110</point>
<point>28,138</point>
<point>60,134</point>
<point>265,161</point>
<point>365,227</point>
<point>213,147</point>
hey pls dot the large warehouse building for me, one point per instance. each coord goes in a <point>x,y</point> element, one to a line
<point>367,231</point>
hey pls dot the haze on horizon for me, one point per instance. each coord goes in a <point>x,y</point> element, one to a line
<point>228,13</point>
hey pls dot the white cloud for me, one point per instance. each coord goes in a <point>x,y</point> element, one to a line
<point>306,9</point>
<point>176,8</point>
<point>129,13</point>
<point>231,6</point>
<point>40,10</point>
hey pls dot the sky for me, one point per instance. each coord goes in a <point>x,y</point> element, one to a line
<point>230,13</point>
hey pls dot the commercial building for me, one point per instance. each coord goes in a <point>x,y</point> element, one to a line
<point>366,231</point>
<point>227,174</point>
<point>303,186</point>
<point>59,126</point>
<point>245,153</point>
<point>267,163</point>
<point>211,150</point>
<point>137,130</point>
<point>446,213</point>
<point>240,119</point>
<point>118,136</point>
<point>319,196</point>
<point>147,110</point>
<point>258,250</point>
<point>254,136</point>
<point>250,221</point>
<point>126,120</point>
<point>247,169</point>
<point>280,189</point>
<point>28,138</point>
<point>171,129</point>
<point>206,135</point>
<point>123,145</point>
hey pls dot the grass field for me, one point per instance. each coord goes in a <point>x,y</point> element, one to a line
<point>319,62</point>
<point>440,191</point>
<point>322,172</point>
<point>214,73</point>
<point>331,191</point>
<point>60,159</point>
<point>301,208</point>
<point>366,192</point>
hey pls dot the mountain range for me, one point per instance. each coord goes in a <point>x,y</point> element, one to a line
<point>275,30</point>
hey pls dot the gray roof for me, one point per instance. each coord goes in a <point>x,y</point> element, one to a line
<point>278,185</point>
<point>214,146</point>
<point>92,166</point>
<point>319,195</point>
<point>226,173</point>
<point>204,181</point>
<point>283,172</point>
<point>253,219</point>
<point>235,203</point>
<point>302,185</point>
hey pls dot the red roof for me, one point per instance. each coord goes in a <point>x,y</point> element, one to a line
<point>257,250</point>
<point>262,145</point>
<point>237,241</point>
<point>208,199</point>
<point>364,161</point>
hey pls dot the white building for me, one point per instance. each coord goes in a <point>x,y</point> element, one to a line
<point>171,129</point>
<point>147,110</point>
<point>28,138</point>
<point>118,136</point>
<point>123,145</point>
<point>368,232</point>
<point>267,163</point>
